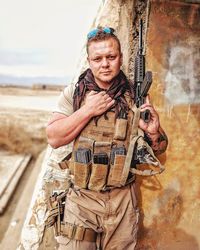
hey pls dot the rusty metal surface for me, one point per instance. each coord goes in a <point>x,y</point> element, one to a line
<point>170,203</point>
<point>174,42</point>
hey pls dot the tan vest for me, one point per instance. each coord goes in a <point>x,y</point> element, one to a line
<point>105,137</point>
<point>102,154</point>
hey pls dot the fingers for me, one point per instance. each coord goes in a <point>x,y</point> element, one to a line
<point>108,98</point>
<point>102,93</point>
<point>92,92</point>
<point>146,106</point>
<point>110,103</point>
<point>107,102</point>
<point>149,106</point>
<point>147,99</point>
<point>104,97</point>
<point>147,102</point>
<point>99,102</point>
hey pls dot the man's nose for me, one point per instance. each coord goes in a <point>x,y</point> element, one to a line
<point>105,62</point>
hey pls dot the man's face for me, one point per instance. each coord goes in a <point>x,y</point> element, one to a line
<point>105,60</point>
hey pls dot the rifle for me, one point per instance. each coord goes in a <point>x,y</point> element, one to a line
<point>142,80</point>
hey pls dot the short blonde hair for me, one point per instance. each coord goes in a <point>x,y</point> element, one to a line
<point>101,35</point>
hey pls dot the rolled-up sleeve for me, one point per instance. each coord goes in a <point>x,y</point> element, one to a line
<point>65,101</point>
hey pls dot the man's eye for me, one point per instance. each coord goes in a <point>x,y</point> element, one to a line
<point>97,59</point>
<point>112,57</point>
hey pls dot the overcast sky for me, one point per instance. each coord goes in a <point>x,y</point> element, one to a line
<point>43,37</point>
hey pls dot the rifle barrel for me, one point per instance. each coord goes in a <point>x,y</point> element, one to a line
<point>140,37</point>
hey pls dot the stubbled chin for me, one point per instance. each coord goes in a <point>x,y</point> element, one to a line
<point>104,82</point>
<point>106,78</point>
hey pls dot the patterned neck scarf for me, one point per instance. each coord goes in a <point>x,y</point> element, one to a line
<point>118,87</point>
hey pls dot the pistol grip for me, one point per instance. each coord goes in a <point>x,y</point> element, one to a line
<point>146,115</point>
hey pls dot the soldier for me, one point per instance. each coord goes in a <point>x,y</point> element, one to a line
<point>101,210</point>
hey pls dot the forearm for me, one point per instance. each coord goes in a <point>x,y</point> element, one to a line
<point>158,141</point>
<point>61,130</point>
<point>64,130</point>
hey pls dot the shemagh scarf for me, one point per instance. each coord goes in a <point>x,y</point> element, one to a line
<point>118,87</point>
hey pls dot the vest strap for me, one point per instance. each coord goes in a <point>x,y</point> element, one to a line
<point>64,163</point>
<point>128,159</point>
<point>86,176</point>
<point>136,136</point>
<point>75,232</point>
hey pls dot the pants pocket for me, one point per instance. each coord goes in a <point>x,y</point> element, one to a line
<point>81,174</point>
<point>62,241</point>
<point>116,170</point>
<point>98,177</point>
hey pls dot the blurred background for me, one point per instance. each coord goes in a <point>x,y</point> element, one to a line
<point>40,41</point>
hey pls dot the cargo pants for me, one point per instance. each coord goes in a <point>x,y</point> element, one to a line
<point>112,214</point>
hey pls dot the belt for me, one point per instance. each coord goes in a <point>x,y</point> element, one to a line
<point>75,232</point>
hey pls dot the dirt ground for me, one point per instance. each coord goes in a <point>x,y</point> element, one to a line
<point>24,114</point>
<point>6,217</point>
<point>27,98</point>
<point>27,91</point>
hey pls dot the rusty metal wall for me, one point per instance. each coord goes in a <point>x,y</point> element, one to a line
<point>170,203</point>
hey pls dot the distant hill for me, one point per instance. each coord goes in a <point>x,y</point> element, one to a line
<point>29,81</point>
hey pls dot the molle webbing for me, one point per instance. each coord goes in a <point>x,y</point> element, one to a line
<point>126,146</point>
<point>103,139</point>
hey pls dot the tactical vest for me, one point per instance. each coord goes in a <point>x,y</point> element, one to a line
<point>99,151</point>
<point>103,154</point>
